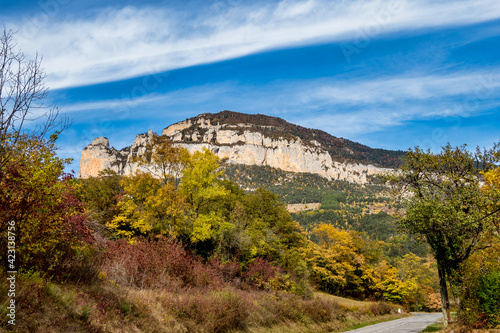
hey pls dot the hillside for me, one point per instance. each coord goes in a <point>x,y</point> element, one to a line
<point>365,208</point>
<point>109,307</point>
<point>252,140</point>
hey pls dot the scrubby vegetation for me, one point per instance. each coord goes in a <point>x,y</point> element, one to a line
<point>45,306</point>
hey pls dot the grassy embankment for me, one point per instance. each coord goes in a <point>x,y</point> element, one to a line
<point>106,306</point>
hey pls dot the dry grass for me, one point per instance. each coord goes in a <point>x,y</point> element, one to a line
<point>159,287</point>
<point>346,302</point>
<point>107,307</point>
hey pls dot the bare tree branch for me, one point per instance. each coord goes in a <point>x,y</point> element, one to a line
<point>23,97</point>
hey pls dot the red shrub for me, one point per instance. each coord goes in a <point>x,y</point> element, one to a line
<point>158,263</point>
<point>230,271</point>
<point>260,272</point>
<point>165,263</point>
<point>205,275</point>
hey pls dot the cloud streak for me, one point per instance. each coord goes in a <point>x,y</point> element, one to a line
<point>479,85</point>
<point>119,43</point>
<point>351,108</point>
<point>345,108</point>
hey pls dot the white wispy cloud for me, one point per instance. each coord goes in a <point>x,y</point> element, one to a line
<point>476,85</point>
<point>361,106</point>
<point>187,96</point>
<point>342,107</point>
<point>119,43</point>
<point>112,104</point>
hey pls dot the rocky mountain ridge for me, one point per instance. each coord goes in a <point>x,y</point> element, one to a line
<point>252,140</point>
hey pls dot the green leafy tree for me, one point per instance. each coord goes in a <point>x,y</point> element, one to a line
<point>444,206</point>
<point>480,290</point>
<point>268,228</point>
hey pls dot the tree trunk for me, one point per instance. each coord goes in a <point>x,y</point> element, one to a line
<point>445,301</point>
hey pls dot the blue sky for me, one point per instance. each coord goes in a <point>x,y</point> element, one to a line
<point>390,74</point>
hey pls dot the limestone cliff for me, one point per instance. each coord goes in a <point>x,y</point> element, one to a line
<point>246,139</point>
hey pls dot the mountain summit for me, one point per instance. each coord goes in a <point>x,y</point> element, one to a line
<point>253,140</point>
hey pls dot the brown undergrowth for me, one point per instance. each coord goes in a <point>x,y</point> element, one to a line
<point>106,307</point>
<point>160,287</point>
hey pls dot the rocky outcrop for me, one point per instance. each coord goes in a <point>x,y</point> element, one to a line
<point>98,156</point>
<point>241,143</point>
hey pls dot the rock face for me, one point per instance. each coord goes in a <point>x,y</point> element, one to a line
<point>98,156</point>
<point>251,142</point>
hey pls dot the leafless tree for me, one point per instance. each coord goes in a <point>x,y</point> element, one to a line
<point>23,97</point>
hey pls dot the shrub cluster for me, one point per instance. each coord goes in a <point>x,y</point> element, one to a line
<point>156,263</point>
<point>165,263</point>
